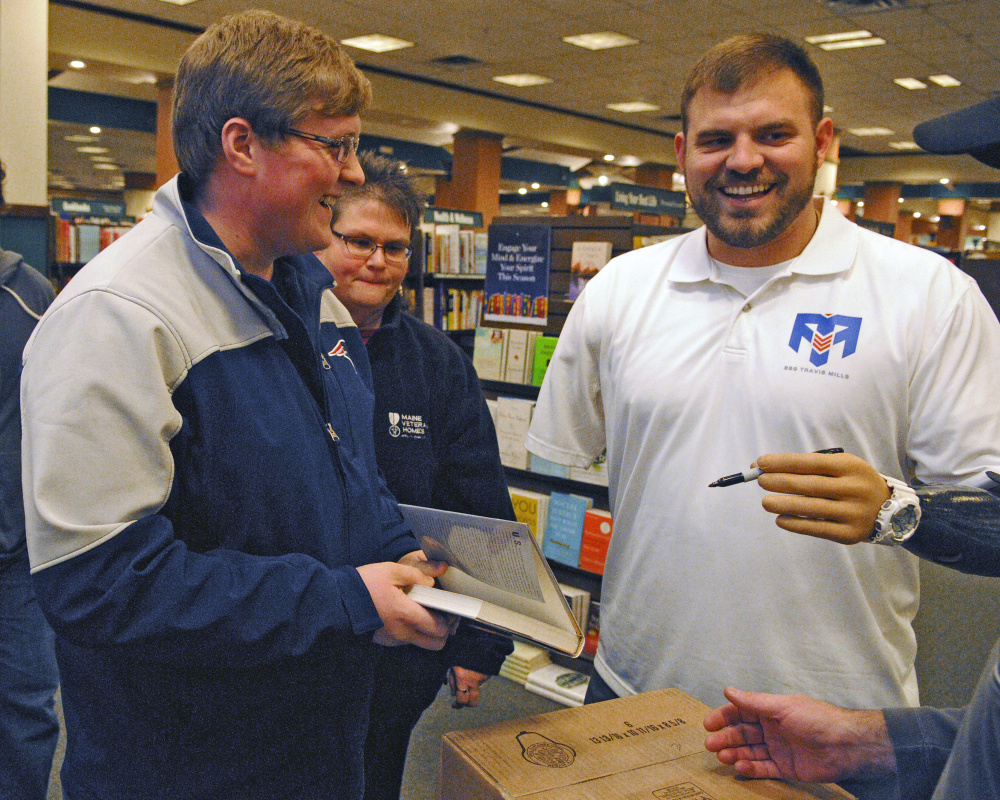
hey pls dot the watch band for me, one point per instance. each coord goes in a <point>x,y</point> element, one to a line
<point>899,515</point>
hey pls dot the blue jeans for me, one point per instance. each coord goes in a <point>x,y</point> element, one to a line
<point>598,690</point>
<point>29,727</point>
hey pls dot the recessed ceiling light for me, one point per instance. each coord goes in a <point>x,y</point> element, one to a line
<point>178,2</point>
<point>872,42</point>
<point>979,227</point>
<point>91,149</point>
<point>79,138</point>
<point>900,200</point>
<point>600,41</point>
<point>844,36</point>
<point>522,190</point>
<point>861,203</point>
<point>101,158</point>
<point>603,180</point>
<point>633,107</point>
<point>935,218</point>
<point>546,205</point>
<point>94,129</point>
<point>909,83</point>
<point>77,64</point>
<point>105,166</point>
<point>522,79</point>
<point>916,214</point>
<point>904,145</point>
<point>377,43</point>
<point>536,186</point>
<point>609,157</point>
<point>871,131</point>
<point>944,181</point>
<point>945,80</point>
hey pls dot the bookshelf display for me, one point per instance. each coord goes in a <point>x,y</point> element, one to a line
<point>447,269</point>
<point>80,230</point>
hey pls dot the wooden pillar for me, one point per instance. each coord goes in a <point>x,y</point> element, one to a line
<point>904,228</point>
<point>475,175</point>
<point>657,176</point>
<point>166,161</point>
<point>558,203</point>
<point>882,202</point>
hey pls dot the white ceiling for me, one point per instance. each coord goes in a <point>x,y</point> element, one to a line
<point>420,99</point>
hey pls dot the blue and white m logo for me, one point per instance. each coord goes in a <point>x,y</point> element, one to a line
<point>823,331</point>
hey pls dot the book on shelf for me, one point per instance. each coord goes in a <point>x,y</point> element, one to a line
<point>579,603</point>
<point>562,684</point>
<point>545,467</point>
<point>480,247</point>
<point>525,659</point>
<point>531,508</point>
<point>513,421</point>
<point>545,346</point>
<point>586,259</point>
<point>596,473</point>
<point>593,630</point>
<point>597,529</point>
<point>497,577</point>
<point>489,353</point>
<point>564,527</point>
<point>520,355</point>
<point>429,305</point>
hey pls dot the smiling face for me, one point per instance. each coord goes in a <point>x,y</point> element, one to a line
<point>299,181</point>
<point>366,285</point>
<point>750,160</point>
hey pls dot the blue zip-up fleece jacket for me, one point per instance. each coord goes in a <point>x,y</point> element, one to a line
<point>200,484</point>
<point>25,295</point>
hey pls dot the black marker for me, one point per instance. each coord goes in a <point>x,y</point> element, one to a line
<point>753,473</point>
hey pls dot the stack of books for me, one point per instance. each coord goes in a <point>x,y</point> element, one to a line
<point>579,603</point>
<point>525,659</point>
<point>564,685</point>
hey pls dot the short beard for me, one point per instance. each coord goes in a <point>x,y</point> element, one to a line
<point>750,233</point>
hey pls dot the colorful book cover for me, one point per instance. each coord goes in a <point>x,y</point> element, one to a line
<point>545,346</point>
<point>488,353</point>
<point>564,528</point>
<point>586,259</point>
<point>531,508</point>
<point>597,529</point>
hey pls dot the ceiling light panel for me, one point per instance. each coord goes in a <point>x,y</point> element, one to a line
<point>872,42</point>
<point>875,131</point>
<point>944,80</point>
<point>909,83</point>
<point>633,107</point>
<point>522,79</point>
<point>601,40</point>
<point>845,36</point>
<point>376,43</point>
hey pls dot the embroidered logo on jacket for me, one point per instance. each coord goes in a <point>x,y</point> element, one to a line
<point>407,426</point>
<point>822,332</point>
<point>340,349</point>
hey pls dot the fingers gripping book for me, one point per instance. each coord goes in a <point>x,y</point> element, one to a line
<point>496,577</point>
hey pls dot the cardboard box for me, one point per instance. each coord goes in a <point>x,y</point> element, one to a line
<point>646,746</point>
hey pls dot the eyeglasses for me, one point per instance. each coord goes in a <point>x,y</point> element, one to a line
<point>342,148</point>
<point>363,247</point>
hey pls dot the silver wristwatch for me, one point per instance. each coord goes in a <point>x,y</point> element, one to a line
<point>899,516</point>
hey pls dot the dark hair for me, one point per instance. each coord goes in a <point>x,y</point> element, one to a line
<point>387,181</point>
<point>271,71</point>
<point>746,59</point>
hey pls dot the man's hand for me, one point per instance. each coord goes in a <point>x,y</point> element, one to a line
<point>404,621</point>
<point>464,684</point>
<point>794,737</point>
<point>830,496</point>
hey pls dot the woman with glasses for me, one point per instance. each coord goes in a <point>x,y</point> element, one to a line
<point>434,441</point>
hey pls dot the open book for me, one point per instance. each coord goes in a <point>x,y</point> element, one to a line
<point>497,577</point>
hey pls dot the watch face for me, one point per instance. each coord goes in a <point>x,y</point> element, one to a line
<point>904,521</point>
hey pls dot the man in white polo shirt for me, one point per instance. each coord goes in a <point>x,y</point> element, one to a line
<point>778,327</point>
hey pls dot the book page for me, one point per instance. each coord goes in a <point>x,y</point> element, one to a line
<point>494,552</point>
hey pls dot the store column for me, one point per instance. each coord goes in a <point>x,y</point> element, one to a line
<point>882,202</point>
<point>166,161</point>
<point>24,48</point>
<point>656,176</point>
<point>475,175</point>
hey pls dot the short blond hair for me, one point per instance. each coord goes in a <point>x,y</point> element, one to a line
<point>271,71</point>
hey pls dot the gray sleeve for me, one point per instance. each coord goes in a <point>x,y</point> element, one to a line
<point>959,528</point>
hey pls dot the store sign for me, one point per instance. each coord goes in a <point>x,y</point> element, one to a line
<point>517,274</point>
<point>69,206</point>
<point>648,200</point>
<point>449,216</point>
